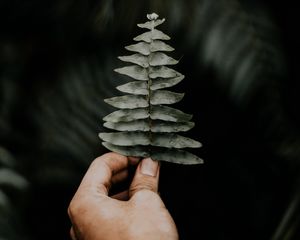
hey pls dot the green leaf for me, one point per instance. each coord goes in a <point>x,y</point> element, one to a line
<point>126,115</point>
<point>147,48</point>
<point>152,16</point>
<point>165,97</point>
<point>169,114</point>
<point>169,140</point>
<point>158,45</point>
<point>136,87</point>
<point>137,58</point>
<point>151,24</point>
<point>160,83</point>
<point>126,138</point>
<point>176,156</point>
<point>128,101</point>
<point>172,140</point>
<point>136,151</point>
<point>152,35</point>
<point>137,125</point>
<point>134,71</point>
<point>163,72</point>
<point>6,158</point>
<point>144,125</point>
<point>9,177</point>
<point>159,154</point>
<point>164,126</point>
<point>160,59</point>
<point>141,47</point>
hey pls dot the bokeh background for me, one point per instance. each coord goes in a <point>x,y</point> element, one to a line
<point>240,59</point>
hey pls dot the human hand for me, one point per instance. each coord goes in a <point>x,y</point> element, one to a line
<point>137,213</point>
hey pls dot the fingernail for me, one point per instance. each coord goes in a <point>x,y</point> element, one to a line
<point>149,167</point>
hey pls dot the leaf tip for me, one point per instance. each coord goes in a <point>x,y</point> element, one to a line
<point>152,16</point>
<point>100,135</point>
<point>117,69</point>
<point>198,144</point>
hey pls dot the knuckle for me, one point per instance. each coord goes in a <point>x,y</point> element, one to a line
<point>146,197</point>
<point>76,208</point>
<point>97,161</point>
<point>143,184</point>
<point>72,209</point>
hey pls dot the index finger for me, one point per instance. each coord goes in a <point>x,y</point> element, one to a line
<point>99,175</point>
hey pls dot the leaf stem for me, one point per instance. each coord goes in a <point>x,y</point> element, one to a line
<point>149,83</point>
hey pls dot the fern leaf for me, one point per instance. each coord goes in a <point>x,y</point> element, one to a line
<point>137,58</point>
<point>128,101</point>
<point>137,87</point>
<point>160,46</point>
<point>152,35</point>
<point>149,25</point>
<point>162,72</point>
<point>127,115</point>
<point>136,125</point>
<point>136,151</point>
<point>168,140</point>
<point>141,47</point>
<point>141,87</point>
<point>168,155</point>
<point>157,112</point>
<point>134,71</point>
<point>162,126</point>
<point>177,156</point>
<point>144,126</point>
<point>165,97</point>
<point>156,126</point>
<point>161,59</point>
<point>165,83</point>
<point>146,48</point>
<point>169,114</point>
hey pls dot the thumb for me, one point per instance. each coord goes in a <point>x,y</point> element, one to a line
<point>146,177</point>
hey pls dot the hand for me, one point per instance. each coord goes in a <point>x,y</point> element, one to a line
<point>137,213</point>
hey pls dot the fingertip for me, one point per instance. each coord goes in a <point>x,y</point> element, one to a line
<point>114,161</point>
<point>149,167</point>
<point>112,156</point>
<point>101,171</point>
<point>118,158</point>
<point>146,177</point>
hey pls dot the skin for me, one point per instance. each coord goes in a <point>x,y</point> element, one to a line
<point>137,213</point>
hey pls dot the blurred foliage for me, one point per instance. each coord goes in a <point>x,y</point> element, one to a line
<point>240,62</point>
<point>12,186</point>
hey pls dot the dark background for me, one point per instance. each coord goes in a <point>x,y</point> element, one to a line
<point>240,59</point>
